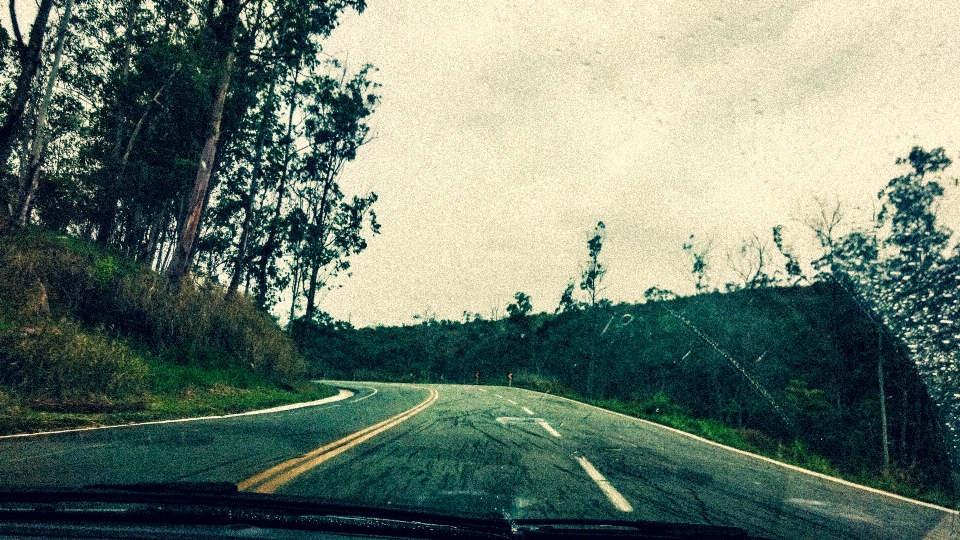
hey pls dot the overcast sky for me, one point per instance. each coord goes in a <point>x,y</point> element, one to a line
<point>509,128</point>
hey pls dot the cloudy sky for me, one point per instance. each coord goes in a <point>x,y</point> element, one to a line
<point>507,129</point>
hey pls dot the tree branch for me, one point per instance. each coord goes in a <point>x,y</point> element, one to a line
<point>16,27</point>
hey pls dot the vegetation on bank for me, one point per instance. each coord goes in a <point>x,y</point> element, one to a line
<point>90,337</point>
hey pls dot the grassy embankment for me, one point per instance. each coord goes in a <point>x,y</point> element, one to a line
<point>89,337</point>
<point>661,410</point>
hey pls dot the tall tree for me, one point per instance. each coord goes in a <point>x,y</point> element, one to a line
<point>30,175</point>
<point>594,271</point>
<point>700,265</point>
<point>278,29</point>
<point>29,56</point>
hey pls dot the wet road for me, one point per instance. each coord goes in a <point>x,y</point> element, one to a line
<point>477,449</point>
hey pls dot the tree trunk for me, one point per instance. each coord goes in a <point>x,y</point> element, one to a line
<point>239,266</point>
<point>312,292</point>
<point>29,55</point>
<point>38,145</point>
<point>270,245</point>
<point>183,256</point>
<point>108,209</point>
<point>883,400</point>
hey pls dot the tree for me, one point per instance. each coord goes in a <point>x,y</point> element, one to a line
<point>901,277</point>
<point>29,56</point>
<point>594,272</point>
<point>335,127</point>
<point>792,264</point>
<point>700,264</point>
<point>567,303</point>
<point>30,169</point>
<point>751,264</point>
<point>521,308</point>
<point>286,29</point>
<point>825,226</point>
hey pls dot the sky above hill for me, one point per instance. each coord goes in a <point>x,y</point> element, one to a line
<point>509,128</point>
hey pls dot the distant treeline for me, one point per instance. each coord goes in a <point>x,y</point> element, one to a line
<point>780,364</point>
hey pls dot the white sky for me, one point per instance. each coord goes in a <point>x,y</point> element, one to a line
<point>507,129</point>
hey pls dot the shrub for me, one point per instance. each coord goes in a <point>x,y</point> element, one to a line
<point>44,276</point>
<point>63,362</point>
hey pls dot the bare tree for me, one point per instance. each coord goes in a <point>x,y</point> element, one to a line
<point>825,225</point>
<point>751,263</point>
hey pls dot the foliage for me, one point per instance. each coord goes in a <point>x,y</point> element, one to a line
<point>700,265</point>
<point>63,363</point>
<point>125,129</point>
<point>72,311</point>
<point>594,271</point>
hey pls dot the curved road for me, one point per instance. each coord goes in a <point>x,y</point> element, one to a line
<point>477,449</point>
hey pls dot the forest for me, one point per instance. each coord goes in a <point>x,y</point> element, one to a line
<point>201,138</point>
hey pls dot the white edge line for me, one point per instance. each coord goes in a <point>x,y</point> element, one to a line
<point>543,423</point>
<point>528,411</point>
<point>766,459</point>
<point>343,394</point>
<point>605,486</point>
<point>368,395</point>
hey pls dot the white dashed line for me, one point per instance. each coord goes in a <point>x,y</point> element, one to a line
<point>543,423</point>
<point>528,411</point>
<point>615,497</point>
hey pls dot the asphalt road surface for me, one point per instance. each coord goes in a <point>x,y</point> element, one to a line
<point>477,449</point>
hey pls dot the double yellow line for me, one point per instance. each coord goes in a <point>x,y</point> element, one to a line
<point>269,480</point>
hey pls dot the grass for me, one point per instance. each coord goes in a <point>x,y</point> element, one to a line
<point>89,337</point>
<point>660,410</point>
<point>218,399</point>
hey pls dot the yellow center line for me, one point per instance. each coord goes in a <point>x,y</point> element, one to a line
<point>269,480</point>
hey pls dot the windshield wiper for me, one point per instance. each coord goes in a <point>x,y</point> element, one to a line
<point>221,504</point>
<point>222,488</point>
<point>589,528</point>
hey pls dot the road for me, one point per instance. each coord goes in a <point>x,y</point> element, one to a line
<point>477,449</point>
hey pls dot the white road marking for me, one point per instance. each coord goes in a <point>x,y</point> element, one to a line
<point>506,398</point>
<point>543,423</point>
<point>765,459</point>
<point>343,394</point>
<point>611,492</point>
<point>528,411</point>
<point>517,420</point>
<point>366,396</point>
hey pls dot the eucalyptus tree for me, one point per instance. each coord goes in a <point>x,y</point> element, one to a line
<point>594,271</point>
<point>327,227</point>
<point>241,37</point>
<point>29,57</point>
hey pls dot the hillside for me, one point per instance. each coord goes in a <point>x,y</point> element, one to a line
<point>90,337</point>
<point>790,372</point>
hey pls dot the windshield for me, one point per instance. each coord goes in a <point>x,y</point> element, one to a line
<point>674,262</point>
